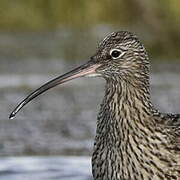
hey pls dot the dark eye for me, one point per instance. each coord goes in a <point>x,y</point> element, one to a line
<point>115,53</point>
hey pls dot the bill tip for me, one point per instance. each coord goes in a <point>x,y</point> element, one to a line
<point>12,115</point>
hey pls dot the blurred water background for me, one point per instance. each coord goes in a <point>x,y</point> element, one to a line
<point>52,137</point>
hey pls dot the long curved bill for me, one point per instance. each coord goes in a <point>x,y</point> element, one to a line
<point>84,70</point>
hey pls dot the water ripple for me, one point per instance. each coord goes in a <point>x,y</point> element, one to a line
<point>42,168</point>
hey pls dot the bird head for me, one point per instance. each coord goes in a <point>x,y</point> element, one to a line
<point>119,56</point>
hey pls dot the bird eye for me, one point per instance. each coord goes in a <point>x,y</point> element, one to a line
<point>115,53</point>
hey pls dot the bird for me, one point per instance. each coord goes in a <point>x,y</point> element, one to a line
<point>134,140</point>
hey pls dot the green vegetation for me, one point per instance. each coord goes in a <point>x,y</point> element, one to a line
<point>157,21</point>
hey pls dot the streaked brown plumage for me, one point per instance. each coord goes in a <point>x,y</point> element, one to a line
<point>134,141</point>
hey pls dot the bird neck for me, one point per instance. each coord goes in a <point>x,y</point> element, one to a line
<point>132,93</point>
<point>128,138</point>
<point>125,104</point>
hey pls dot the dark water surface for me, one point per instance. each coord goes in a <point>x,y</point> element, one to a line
<point>63,120</point>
